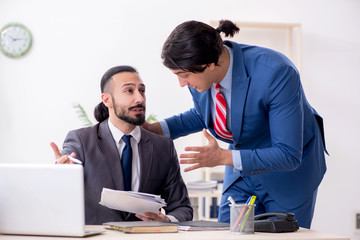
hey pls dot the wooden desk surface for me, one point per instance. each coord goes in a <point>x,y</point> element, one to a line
<point>302,234</point>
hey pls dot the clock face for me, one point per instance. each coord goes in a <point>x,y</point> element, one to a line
<point>15,40</point>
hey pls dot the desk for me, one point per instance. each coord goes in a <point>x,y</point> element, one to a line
<point>302,234</point>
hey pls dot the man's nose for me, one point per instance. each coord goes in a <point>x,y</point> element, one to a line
<point>140,97</point>
<point>183,83</point>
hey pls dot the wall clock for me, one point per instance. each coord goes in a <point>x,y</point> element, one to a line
<point>15,40</point>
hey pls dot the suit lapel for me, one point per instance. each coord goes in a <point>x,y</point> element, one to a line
<point>108,147</point>
<point>239,90</point>
<point>204,101</point>
<point>146,157</point>
<point>202,104</point>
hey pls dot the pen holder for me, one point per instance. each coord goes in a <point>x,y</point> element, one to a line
<point>242,218</point>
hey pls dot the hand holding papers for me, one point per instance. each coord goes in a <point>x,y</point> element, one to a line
<point>134,202</point>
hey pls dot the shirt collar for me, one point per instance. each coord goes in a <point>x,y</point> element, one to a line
<point>117,134</point>
<point>226,82</point>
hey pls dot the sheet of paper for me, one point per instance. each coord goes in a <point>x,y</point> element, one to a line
<point>133,202</point>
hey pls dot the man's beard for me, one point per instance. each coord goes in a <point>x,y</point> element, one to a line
<point>120,112</point>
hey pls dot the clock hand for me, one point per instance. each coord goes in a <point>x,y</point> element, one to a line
<point>17,39</point>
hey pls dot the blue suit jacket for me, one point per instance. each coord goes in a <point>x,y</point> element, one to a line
<point>279,135</point>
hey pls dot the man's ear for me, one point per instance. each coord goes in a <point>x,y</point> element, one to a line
<point>211,66</point>
<point>106,98</point>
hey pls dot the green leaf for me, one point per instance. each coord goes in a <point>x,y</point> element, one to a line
<point>151,118</point>
<point>82,115</point>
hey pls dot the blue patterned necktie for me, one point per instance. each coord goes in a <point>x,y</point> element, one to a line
<point>126,162</point>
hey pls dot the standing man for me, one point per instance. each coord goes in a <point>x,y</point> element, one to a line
<point>251,98</point>
<point>117,154</point>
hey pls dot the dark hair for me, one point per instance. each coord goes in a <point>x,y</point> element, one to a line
<point>193,44</point>
<point>101,112</point>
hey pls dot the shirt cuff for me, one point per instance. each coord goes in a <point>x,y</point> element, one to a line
<point>172,218</point>
<point>165,128</point>
<point>236,156</point>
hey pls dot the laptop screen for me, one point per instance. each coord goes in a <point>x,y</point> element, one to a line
<point>42,199</point>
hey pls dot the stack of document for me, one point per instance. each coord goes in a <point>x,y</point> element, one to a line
<point>202,185</point>
<point>133,202</point>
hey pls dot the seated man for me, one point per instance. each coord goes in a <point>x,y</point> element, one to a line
<point>153,167</point>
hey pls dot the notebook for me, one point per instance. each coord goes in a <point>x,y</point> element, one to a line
<point>142,227</point>
<point>203,225</point>
<point>42,199</point>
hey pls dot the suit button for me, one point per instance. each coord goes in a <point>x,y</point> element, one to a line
<point>237,145</point>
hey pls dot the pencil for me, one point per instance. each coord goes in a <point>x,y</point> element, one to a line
<point>74,160</point>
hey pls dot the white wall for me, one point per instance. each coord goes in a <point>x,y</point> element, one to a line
<point>75,42</point>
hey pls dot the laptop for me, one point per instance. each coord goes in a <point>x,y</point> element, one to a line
<point>42,199</point>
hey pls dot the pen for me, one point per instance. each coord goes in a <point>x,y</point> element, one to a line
<point>241,214</point>
<point>74,159</point>
<point>252,201</point>
<point>231,200</point>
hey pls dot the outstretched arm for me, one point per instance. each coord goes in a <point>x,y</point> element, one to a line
<point>153,127</point>
<point>210,155</point>
<point>61,159</point>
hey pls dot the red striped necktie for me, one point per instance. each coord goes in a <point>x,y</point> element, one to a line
<point>220,115</point>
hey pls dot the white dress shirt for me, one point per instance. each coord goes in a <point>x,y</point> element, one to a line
<point>134,141</point>
<point>136,136</point>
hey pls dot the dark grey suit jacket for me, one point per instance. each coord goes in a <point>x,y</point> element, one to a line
<point>160,172</point>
